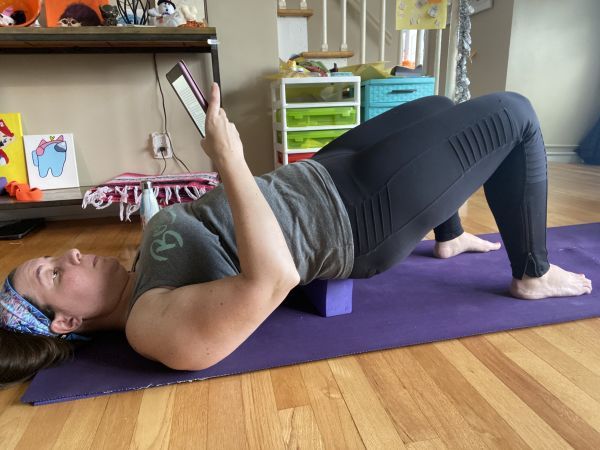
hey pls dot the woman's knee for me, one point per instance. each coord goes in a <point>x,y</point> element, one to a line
<point>520,107</point>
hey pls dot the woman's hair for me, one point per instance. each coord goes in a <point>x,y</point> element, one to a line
<point>23,355</point>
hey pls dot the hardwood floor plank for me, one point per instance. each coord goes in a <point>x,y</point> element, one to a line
<point>299,428</point>
<point>260,410</point>
<point>117,426</point>
<point>560,386</point>
<point>566,343</point>
<point>81,424</point>
<point>189,425</point>
<point>289,388</point>
<point>560,417</point>
<point>578,374</point>
<point>432,444</point>
<point>481,416</point>
<point>411,424</point>
<point>153,425</point>
<point>532,429</point>
<point>14,416</point>
<point>45,426</point>
<point>336,426</point>
<point>450,426</point>
<point>376,428</point>
<point>226,421</point>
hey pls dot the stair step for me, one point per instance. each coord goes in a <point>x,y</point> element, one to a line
<point>325,55</point>
<point>284,12</point>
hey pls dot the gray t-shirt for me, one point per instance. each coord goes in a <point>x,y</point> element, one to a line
<point>194,242</point>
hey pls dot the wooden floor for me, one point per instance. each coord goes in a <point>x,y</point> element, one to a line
<point>531,388</point>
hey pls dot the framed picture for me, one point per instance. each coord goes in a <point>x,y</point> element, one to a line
<point>51,162</point>
<point>12,155</point>
<point>71,13</point>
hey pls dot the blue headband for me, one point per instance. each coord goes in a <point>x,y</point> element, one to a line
<point>17,314</point>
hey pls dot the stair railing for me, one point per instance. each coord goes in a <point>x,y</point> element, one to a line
<point>410,42</point>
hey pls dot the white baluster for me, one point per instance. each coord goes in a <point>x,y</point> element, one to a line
<point>363,32</point>
<point>400,47</point>
<point>282,4</point>
<point>419,50</point>
<point>324,46</point>
<point>382,31</point>
<point>344,46</point>
<point>303,4</point>
<point>437,62</point>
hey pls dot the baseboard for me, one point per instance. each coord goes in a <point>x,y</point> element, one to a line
<point>562,153</point>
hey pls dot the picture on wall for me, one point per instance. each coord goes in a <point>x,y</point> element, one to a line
<point>51,162</point>
<point>74,13</point>
<point>12,154</point>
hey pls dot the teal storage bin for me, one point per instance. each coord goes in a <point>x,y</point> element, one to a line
<point>380,95</point>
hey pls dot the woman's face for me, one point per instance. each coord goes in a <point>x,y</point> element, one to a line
<point>73,284</point>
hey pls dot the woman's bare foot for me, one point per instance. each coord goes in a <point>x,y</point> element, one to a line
<point>556,282</point>
<point>466,242</point>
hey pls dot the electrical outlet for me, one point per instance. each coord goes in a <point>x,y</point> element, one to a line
<point>161,146</point>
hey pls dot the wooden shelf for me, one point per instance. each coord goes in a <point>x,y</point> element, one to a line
<point>53,197</point>
<point>107,40</point>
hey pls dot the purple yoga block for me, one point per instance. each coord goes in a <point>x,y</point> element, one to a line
<point>330,297</point>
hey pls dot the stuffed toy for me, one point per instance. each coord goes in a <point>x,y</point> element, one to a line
<point>77,15</point>
<point>166,15</point>
<point>109,14</point>
<point>5,19</point>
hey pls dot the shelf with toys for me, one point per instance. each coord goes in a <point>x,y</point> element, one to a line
<point>310,112</point>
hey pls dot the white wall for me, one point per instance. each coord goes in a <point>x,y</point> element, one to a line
<point>554,61</point>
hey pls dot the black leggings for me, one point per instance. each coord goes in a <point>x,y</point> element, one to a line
<point>408,170</point>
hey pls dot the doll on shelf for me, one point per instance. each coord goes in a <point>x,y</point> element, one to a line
<point>166,14</point>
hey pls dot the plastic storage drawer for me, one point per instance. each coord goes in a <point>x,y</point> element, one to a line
<point>313,117</point>
<point>369,113</point>
<point>310,139</point>
<point>294,157</point>
<point>395,90</point>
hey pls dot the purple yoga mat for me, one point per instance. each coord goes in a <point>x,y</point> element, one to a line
<point>423,299</point>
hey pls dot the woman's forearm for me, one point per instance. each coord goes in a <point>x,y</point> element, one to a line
<point>262,248</point>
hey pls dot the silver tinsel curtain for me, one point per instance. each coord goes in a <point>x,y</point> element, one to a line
<point>462,93</point>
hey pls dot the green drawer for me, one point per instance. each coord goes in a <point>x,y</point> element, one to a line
<point>310,139</point>
<point>314,117</point>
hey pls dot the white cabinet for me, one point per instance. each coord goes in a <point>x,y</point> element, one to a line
<point>310,112</point>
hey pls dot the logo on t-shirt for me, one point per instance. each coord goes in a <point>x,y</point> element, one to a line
<point>165,238</point>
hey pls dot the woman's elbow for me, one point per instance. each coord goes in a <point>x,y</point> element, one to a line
<point>190,363</point>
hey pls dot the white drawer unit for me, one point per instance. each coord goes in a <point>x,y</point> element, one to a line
<point>310,112</point>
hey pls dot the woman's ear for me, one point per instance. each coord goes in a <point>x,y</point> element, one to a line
<point>63,324</point>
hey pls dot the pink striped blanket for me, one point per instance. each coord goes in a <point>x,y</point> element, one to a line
<point>168,189</point>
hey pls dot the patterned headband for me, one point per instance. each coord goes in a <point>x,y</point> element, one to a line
<point>17,314</point>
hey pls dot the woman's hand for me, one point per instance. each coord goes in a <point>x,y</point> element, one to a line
<point>222,142</point>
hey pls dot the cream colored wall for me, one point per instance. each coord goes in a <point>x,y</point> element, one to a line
<point>111,102</point>
<point>554,61</point>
